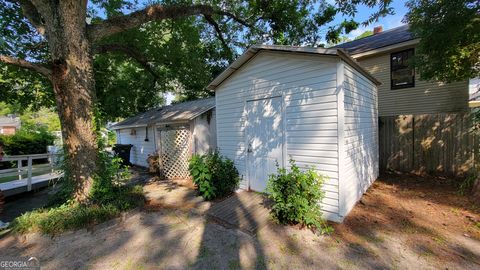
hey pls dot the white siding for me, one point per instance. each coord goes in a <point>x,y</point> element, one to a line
<point>204,133</point>
<point>141,149</point>
<point>308,85</point>
<point>426,97</point>
<point>359,167</point>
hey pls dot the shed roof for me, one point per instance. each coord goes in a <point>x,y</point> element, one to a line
<point>180,112</point>
<point>253,50</point>
<point>9,121</point>
<point>383,39</point>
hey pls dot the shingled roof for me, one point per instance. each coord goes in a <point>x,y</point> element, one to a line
<point>383,39</point>
<point>184,111</point>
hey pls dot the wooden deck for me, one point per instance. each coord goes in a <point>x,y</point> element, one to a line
<point>19,186</point>
<point>247,211</point>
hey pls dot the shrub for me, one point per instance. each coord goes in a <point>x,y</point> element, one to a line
<point>27,141</point>
<point>296,197</point>
<point>214,175</point>
<point>110,196</point>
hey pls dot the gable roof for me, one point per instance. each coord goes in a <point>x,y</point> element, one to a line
<point>383,39</point>
<point>179,112</point>
<point>253,50</point>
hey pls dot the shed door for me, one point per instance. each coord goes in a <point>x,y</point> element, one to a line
<point>265,138</point>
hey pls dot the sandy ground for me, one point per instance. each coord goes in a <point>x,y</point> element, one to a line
<point>401,223</point>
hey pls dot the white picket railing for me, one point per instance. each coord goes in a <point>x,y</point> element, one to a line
<point>20,171</point>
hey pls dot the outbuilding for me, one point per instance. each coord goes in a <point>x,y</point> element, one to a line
<point>173,132</point>
<point>313,105</point>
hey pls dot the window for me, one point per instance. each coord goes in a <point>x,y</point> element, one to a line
<point>402,75</point>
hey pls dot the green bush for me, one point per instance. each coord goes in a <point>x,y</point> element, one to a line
<point>110,196</point>
<point>214,175</point>
<point>27,141</point>
<point>296,197</point>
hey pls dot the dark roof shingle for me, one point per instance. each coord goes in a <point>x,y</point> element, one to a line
<point>389,37</point>
<point>184,111</point>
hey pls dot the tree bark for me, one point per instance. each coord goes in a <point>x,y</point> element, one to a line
<point>74,87</point>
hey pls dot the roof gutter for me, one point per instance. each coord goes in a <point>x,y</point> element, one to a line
<point>252,51</point>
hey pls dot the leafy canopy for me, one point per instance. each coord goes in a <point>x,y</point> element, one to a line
<point>135,68</point>
<point>449,48</point>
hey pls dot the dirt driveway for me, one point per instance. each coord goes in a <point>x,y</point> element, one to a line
<point>401,223</point>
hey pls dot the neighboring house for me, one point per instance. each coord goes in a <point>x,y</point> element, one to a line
<point>385,54</point>
<point>424,126</point>
<point>313,105</point>
<point>9,124</point>
<point>174,132</point>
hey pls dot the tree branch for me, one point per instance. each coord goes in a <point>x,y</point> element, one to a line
<point>32,14</point>
<point>27,65</point>
<point>215,25</point>
<point>156,12</point>
<point>105,48</point>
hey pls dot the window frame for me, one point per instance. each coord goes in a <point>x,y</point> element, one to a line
<point>409,85</point>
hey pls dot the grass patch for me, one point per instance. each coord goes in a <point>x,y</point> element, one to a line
<point>71,216</point>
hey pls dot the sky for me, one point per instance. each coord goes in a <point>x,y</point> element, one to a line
<point>388,22</point>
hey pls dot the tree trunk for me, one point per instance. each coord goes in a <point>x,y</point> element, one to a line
<point>73,84</point>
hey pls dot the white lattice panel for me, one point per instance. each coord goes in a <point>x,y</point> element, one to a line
<point>175,153</point>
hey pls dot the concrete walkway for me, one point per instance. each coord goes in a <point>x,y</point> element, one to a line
<point>242,210</point>
<point>247,211</point>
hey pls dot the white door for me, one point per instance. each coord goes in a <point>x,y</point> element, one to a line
<point>264,130</point>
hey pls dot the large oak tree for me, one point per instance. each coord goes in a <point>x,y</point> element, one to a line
<point>52,43</point>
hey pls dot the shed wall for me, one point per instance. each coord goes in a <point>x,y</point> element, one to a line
<point>360,165</point>
<point>141,149</point>
<point>307,84</point>
<point>204,133</point>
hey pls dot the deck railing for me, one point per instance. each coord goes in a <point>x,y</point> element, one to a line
<point>30,169</point>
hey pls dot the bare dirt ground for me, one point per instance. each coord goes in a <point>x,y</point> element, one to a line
<point>402,222</point>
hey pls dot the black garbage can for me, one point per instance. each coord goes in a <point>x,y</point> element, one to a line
<point>123,151</point>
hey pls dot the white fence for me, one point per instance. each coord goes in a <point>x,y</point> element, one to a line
<point>26,175</point>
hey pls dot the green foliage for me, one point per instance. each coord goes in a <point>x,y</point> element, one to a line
<point>364,34</point>
<point>109,197</point>
<point>180,55</point>
<point>466,186</point>
<point>450,38</point>
<point>28,140</point>
<point>296,197</point>
<point>214,175</point>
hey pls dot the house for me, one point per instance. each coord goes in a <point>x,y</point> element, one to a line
<point>175,132</point>
<point>385,55</point>
<point>313,105</point>
<point>9,124</point>
<point>424,126</point>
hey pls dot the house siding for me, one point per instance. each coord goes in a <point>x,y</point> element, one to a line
<point>204,133</point>
<point>360,139</point>
<point>141,149</point>
<point>308,87</point>
<point>425,98</point>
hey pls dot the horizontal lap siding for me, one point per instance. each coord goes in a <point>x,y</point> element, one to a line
<point>360,167</point>
<point>425,97</point>
<point>308,85</point>
<point>141,149</point>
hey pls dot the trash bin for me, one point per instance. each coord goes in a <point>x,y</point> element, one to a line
<point>123,151</point>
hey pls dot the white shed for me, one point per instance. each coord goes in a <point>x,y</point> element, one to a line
<point>314,105</point>
<point>174,132</point>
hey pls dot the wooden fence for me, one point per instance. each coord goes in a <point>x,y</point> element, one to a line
<point>435,144</point>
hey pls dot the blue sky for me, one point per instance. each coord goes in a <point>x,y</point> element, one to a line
<point>388,22</point>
